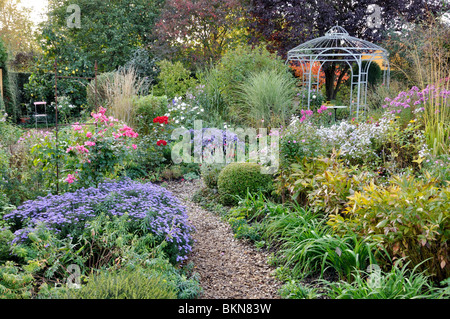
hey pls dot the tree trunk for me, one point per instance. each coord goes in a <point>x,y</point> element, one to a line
<point>330,79</point>
<point>330,72</point>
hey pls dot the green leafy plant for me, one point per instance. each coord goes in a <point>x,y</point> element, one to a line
<point>399,283</point>
<point>173,80</point>
<point>15,283</point>
<point>146,109</point>
<point>297,290</point>
<point>20,180</point>
<point>297,181</point>
<point>307,245</point>
<point>408,217</point>
<point>6,236</point>
<point>249,219</point>
<point>331,187</point>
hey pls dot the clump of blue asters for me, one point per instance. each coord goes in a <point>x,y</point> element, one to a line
<point>68,214</point>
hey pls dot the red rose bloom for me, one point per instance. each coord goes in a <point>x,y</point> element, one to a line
<point>161,142</point>
<point>161,119</point>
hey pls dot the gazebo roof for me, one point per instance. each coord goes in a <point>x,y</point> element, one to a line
<point>336,42</point>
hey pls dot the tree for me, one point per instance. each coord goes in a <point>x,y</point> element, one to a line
<point>110,32</point>
<point>199,31</point>
<point>8,99</point>
<point>285,24</point>
<point>16,28</point>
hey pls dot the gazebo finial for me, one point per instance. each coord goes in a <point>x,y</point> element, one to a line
<point>337,31</point>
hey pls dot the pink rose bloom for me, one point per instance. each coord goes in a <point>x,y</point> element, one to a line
<point>88,134</point>
<point>70,178</point>
<point>89,143</point>
<point>81,149</point>
<point>134,146</point>
<point>77,127</point>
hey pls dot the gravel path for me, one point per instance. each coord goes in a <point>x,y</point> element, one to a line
<point>228,268</point>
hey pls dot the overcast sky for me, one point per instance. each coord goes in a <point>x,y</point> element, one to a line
<point>38,9</point>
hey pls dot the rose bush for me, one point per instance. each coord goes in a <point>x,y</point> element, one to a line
<point>87,154</point>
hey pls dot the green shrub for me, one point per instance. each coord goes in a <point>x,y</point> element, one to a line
<point>15,283</point>
<point>6,236</point>
<point>144,65</point>
<point>248,219</point>
<point>210,174</point>
<point>146,109</point>
<point>236,66</point>
<point>125,284</point>
<point>408,217</point>
<point>9,134</point>
<point>332,186</point>
<point>173,80</point>
<point>243,229</point>
<point>211,99</point>
<point>236,179</point>
<point>296,181</point>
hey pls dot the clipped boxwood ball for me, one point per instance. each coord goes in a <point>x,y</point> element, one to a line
<point>236,178</point>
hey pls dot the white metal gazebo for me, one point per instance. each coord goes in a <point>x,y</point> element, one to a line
<point>338,46</point>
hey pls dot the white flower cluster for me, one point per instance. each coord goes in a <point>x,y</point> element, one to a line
<point>354,140</point>
<point>180,111</point>
<point>3,117</point>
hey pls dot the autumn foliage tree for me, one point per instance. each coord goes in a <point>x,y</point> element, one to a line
<point>198,31</point>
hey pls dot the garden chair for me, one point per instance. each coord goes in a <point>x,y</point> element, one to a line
<point>40,117</point>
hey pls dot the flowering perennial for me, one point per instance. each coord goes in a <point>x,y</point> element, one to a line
<point>415,98</point>
<point>355,140</point>
<point>71,212</point>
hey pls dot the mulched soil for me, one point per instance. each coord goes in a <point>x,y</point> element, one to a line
<point>229,268</point>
